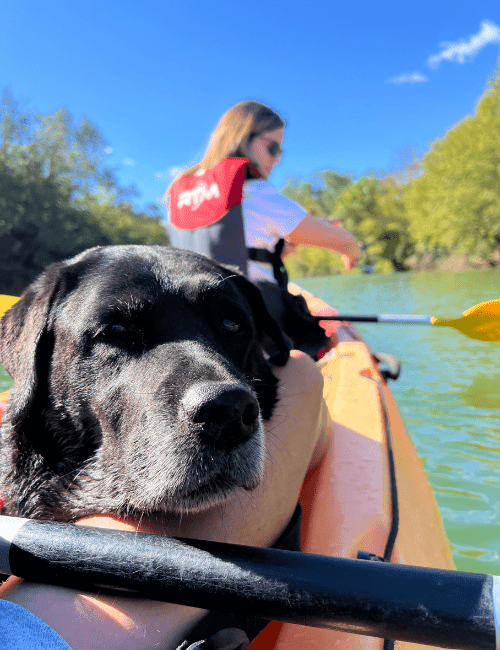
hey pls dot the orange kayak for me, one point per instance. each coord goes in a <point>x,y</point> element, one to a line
<point>348,501</point>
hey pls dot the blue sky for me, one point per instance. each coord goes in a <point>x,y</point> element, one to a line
<point>358,83</point>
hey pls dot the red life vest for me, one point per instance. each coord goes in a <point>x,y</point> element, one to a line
<point>204,197</point>
<point>205,211</point>
<point>205,216</point>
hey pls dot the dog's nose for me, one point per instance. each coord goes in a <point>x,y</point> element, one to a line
<point>225,415</point>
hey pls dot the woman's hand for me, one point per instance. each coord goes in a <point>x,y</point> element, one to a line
<point>352,257</point>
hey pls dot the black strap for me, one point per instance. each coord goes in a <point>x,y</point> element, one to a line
<point>393,532</point>
<point>261,255</point>
<point>265,256</point>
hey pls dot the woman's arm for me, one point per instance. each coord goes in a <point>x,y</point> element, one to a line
<point>315,232</point>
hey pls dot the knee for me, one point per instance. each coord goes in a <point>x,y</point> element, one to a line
<point>305,372</point>
<point>304,362</point>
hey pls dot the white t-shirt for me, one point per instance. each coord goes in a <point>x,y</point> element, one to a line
<point>268,216</point>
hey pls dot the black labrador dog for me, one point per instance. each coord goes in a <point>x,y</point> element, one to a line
<point>140,385</point>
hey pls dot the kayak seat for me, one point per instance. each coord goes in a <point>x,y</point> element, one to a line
<point>393,369</point>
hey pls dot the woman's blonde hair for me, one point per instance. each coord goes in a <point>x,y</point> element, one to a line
<point>235,130</point>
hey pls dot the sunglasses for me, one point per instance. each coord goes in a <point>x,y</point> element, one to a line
<point>273,147</point>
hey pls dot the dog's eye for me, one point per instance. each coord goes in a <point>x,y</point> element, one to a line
<point>230,326</point>
<point>113,331</point>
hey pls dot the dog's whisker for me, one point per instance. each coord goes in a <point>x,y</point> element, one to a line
<point>70,472</point>
<point>140,520</point>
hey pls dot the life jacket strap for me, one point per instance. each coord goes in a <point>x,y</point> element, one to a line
<point>273,258</point>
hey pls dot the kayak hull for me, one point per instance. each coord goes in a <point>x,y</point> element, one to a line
<point>348,500</point>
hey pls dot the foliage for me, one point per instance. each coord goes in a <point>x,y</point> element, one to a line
<point>373,210</point>
<point>57,196</point>
<point>313,262</point>
<point>320,193</point>
<point>455,204</point>
<point>370,208</point>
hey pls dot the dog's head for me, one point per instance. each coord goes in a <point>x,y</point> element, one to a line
<point>140,385</point>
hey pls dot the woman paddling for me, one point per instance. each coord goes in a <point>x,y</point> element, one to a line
<point>224,207</point>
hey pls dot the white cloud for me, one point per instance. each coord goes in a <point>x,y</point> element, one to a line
<point>129,161</point>
<point>408,78</point>
<point>172,172</point>
<point>108,150</point>
<point>459,52</point>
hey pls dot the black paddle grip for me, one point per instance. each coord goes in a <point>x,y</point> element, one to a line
<point>436,607</point>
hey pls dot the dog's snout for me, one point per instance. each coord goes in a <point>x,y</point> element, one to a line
<point>224,414</point>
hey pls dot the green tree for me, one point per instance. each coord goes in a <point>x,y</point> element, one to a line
<point>373,209</point>
<point>122,223</point>
<point>58,196</point>
<point>56,147</point>
<point>455,204</point>
<point>319,193</point>
<point>313,262</point>
<point>38,226</point>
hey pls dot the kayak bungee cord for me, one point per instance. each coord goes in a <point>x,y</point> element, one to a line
<point>437,607</point>
<point>393,532</point>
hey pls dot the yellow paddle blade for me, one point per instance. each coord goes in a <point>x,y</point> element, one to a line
<point>6,302</point>
<point>481,322</point>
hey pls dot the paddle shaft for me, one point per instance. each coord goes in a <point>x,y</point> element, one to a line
<point>380,318</point>
<point>434,607</point>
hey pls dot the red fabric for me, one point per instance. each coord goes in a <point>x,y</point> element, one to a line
<point>199,201</point>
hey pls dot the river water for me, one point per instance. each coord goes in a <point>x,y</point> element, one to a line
<point>448,393</point>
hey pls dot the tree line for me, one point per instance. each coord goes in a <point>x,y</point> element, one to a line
<point>445,205</point>
<point>58,196</point>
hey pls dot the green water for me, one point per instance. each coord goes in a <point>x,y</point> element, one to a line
<point>448,393</point>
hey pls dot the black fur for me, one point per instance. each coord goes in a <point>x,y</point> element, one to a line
<point>293,316</point>
<point>140,384</point>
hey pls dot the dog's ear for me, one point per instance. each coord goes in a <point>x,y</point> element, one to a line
<point>25,341</point>
<point>264,321</point>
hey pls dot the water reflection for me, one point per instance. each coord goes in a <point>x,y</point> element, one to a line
<point>483,392</point>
